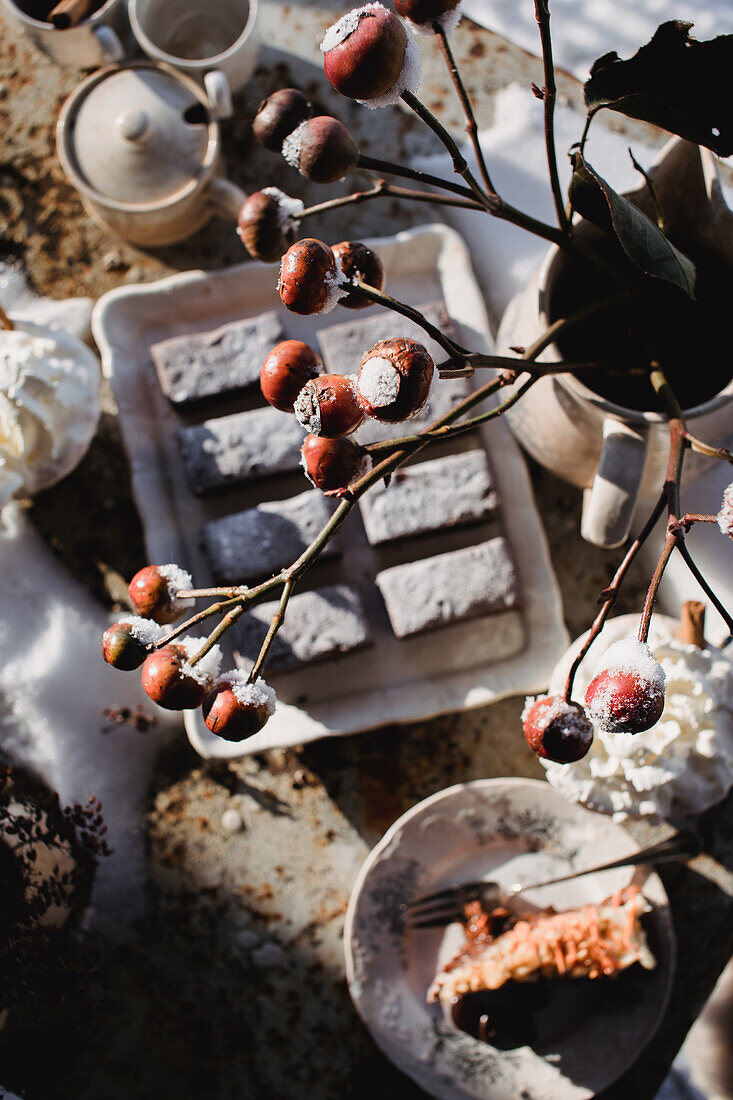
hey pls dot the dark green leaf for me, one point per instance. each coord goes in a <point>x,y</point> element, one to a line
<point>642,240</point>
<point>680,84</point>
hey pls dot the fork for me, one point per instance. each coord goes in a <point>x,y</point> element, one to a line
<point>445,906</point>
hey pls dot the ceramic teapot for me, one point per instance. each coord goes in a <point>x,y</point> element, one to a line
<point>618,454</point>
<point>141,144</point>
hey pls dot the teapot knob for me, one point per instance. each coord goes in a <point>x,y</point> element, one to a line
<point>133,124</point>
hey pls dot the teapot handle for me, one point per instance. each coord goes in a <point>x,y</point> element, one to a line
<point>109,44</point>
<point>226,198</point>
<point>608,506</point>
<point>219,94</point>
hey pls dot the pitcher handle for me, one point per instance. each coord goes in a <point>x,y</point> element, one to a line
<point>109,44</point>
<point>608,506</point>
<point>219,94</point>
<point>226,198</point>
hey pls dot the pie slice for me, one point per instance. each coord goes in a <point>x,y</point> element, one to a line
<point>591,942</point>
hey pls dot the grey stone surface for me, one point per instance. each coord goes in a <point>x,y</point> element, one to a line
<point>442,493</point>
<point>260,541</point>
<point>245,446</point>
<point>462,584</point>
<point>214,364</point>
<point>342,346</point>
<point>318,624</point>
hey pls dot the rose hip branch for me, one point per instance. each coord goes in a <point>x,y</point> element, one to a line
<point>370,55</point>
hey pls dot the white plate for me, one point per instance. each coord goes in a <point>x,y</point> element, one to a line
<point>510,830</point>
<point>393,681</point>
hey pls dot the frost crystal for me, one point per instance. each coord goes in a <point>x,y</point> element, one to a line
<point>725,515</point>
<point>178,580</point>
<point>258,694</point>
<point>288,208</point>
<point>205,670</point>
<point>291,147</point>
<point>379,382</point>
<point>144,630</point>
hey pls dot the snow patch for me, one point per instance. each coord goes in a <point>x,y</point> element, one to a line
<point>725,515</point>
<point>144,630</point>
<point>379,382</point>
<point>205,670</point>
<point>289,209</point>
<point>291,147</point>
<point>178,581</point>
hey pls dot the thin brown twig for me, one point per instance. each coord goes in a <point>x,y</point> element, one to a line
<point>382,189</point>
<point>374,164</point>
<point>455,350</point>
<point>542,14</point>
<point>275,624</point>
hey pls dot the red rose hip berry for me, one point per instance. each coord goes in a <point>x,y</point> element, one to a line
<point>627,693</point>
<point>168,681</point>
<point>425,11</point>
<point>394,380</point>
<point>153,592</point>
<point>327,406</point>
<point>234,709</point>
<point>359,263</point>
<point>333,464</point>
<point>557,730</point>
<point>309,278</point>
<point>121,649</point>
<point>285,371</point>
<point>322,150</point>
<point>278,115</point>
<point>266,224</point>
<point>364,52</point>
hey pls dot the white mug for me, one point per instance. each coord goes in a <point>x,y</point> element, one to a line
<point>94,41</point>
<point>212,41</point>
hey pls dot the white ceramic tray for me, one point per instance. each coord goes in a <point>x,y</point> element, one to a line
<point>393,681</point>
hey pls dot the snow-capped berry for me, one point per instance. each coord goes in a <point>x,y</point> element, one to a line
<point>725,515</point>
<point>153,592</point>
<point>235,709</point>
<point>555,729</point>
<point>169,681</point>
<point>394,380</point>
<point>121,649</point>
<point>369,56</point>
<point>285,371</point>
<point>267,223</point>
<point>627,693</point>
<point>322,149</point>
<point>328,406</point>
<point>359,263</point>
<point>422,14</point>
<point>309,278</point>
<point>278,115</point>
<point>332,465</point>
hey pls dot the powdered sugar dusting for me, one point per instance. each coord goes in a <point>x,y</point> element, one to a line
<point>379,382</point>
<point>207,669</point>
<point>725,515</point>
<point>408,80</point>
<point>347,24</point>
<point>178,581</point>
<point>289,209</point>
<point>258,694</point>
<point>449,20</point>
<point>291,147</point>
<point>144,630</point>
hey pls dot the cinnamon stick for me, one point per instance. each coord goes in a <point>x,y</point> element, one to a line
<point>5,322</point>
<point>692,623</point>
<point>68,13</point>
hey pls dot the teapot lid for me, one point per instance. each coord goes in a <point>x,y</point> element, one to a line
<point>136,134</point>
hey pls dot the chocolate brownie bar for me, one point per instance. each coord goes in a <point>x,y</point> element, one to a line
<point>317,625</point>
<point>245,446</point>
<point>213,364</point>
<point>462,584</point>
<point>260,541</point>
<point>445,492</point>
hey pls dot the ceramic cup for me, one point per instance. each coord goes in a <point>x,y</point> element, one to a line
<point>618,455</point>
<point>93,42</point>
<point>212,41</point>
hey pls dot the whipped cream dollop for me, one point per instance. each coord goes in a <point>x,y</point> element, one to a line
<point>49,407</point>
<point>684,763</point>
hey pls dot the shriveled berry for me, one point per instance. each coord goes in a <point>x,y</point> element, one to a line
<point>308,277</point>
<point>364,52</point>
<point>151,596</point>
<point>359,263</point>
<point>285,371</point>
<point>394,380</point>
<point>627,693</point>
<point>322,150</point>
<point>278,115</point>
<point>333,464</point>
<point>424,11</point>
<point>265,227</point>
<point>234,709</point>
<point>328,406</point>
<point>557,730</point>
<point>167,681</point>
<point>121,649</point>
